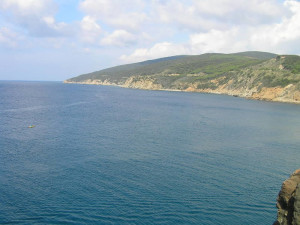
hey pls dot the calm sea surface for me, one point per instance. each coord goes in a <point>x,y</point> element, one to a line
<point>108,155</point>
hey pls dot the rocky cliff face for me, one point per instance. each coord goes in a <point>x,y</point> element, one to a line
<point>288,201</point>
<point>276,79</point>
<point>288,93</point>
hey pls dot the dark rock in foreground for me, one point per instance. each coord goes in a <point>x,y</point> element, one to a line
<point>288,201</point>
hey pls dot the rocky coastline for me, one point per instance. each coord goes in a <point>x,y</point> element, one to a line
<point>287,94</point>
<point>253,75</point>
<point>288,201</point>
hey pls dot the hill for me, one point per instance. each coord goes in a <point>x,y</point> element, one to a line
<point>258,75</point>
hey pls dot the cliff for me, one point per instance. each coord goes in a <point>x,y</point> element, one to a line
<point>288,201</point>
<point>255,75</point>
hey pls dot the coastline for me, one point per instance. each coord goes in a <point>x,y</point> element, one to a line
<point>269,94</point>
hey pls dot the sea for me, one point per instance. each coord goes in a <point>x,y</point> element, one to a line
<point>111,155</point>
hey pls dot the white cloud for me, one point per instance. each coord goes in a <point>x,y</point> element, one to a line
<point>247,10</point>
<point>284,36</point>
<point>204,15</point>
<point>126,14</point>
<point>90,30</point>
<point>198,43</point>
<point>119,38</point>
<point>8,38</point>
<point>21,8</point>
<point>279,37</point>
<point>35,16</point>
<point>181,15</point>
<point>217,41</point>
<point>159,50</point>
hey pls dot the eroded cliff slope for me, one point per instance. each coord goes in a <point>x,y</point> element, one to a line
<point>255,75</point>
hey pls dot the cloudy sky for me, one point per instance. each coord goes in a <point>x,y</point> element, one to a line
<point>59,39</point>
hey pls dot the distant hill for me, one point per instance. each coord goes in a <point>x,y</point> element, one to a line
<point>258,75</point>
<point>256,55</point>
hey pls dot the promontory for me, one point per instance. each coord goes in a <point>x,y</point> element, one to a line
<point>255,75</point>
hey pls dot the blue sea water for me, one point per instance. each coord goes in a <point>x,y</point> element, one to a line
<point>108,155</point>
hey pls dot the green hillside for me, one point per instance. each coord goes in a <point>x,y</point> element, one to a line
<point>210,64</point>
<point>258,75</point>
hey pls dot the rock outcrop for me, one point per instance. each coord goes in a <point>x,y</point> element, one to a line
<point>288,93</point>
<point>288,201</point>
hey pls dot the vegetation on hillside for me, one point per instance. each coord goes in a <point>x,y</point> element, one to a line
<point>210,64</point>
<point>208,71</point>
<point>292,63</point>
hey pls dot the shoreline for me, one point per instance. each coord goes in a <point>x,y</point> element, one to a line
<point>189,91</point>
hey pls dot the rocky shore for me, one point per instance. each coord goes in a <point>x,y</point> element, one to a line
<point>288,201</point>
<point>287,94</point>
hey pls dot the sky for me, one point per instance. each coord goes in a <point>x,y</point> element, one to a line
<point>58,39</point>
